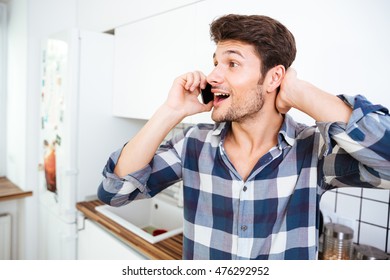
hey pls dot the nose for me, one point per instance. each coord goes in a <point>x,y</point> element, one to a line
<point>215,77</point>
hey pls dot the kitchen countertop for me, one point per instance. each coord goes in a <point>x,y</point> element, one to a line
<point>168,249</point>
<point>9,190</point>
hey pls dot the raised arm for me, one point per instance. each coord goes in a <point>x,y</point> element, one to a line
<point>360,129</point>
<point>305,97</point>
<point>182,101</point>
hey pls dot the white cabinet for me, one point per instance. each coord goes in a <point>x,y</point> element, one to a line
<point>10,250</point>
<point>108,14</point>
<point>95,243</point>
<point>149,55</point>
<point>57,239</point>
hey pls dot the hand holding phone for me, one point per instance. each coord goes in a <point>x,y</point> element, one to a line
<point>207,95</point>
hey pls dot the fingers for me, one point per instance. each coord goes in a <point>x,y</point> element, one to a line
<point>183,96</point>
<point>194,80</point>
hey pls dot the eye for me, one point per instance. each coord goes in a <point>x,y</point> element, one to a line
<point>233,64</point>
<point>215,64</point>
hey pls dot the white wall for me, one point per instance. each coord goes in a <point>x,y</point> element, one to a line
<point>16,91</point>
<point>3,87</point>
<point>16,103</point>
<point>343,46</point>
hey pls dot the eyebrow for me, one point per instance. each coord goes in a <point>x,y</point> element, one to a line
<point>228,52</point>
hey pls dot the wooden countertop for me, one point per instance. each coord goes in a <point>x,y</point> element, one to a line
<point>168,249</point>
<point>9,190</point>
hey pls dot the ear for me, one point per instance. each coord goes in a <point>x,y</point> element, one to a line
<point>274,78</point>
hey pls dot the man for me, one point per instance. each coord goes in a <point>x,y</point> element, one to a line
<point>252,182</point>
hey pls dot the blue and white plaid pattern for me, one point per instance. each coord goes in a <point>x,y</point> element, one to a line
<point>273,214</point>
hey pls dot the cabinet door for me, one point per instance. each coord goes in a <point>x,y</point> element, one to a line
<point>149,55</point>
<point>109,14</point>
<point>94,243</point>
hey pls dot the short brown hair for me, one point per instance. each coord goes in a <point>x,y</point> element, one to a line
<point>273,42</point>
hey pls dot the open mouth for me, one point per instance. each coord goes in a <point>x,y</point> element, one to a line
<point>219,97</point>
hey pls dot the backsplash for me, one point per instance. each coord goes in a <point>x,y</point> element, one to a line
<point>367,211</point>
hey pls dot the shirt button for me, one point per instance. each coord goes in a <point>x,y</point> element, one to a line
<point>244,228</point>
<point>245,188</point>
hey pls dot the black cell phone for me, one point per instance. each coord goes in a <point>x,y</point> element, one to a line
<point>207,95</point>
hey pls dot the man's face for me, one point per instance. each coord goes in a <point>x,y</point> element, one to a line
<point>235,80</point>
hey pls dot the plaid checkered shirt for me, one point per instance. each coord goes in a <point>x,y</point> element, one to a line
<point>274,213</point>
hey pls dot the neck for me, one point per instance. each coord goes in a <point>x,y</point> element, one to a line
<point>249,140</point>
<point>257,132</point>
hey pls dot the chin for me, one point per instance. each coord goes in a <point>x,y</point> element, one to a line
<point>217,117</point>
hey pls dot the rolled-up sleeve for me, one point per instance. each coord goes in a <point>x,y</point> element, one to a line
<point>164,170</point>
<point>358,153</point>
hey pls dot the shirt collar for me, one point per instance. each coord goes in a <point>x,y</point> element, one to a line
<point>287,132</point>
<point>220,129</point>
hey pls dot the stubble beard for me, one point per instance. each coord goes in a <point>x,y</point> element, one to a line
<point>243,108</point>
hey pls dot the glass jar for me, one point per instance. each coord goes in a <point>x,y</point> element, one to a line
<point>338,242</point>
